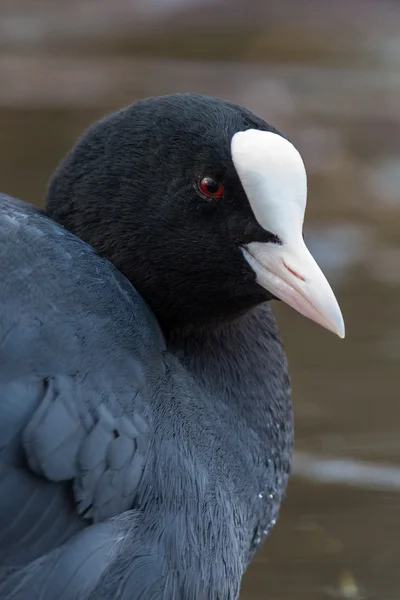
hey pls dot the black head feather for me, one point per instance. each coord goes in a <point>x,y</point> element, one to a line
<point>130,188</point>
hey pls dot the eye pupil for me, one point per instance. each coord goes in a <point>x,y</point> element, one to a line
<point>209,187</point>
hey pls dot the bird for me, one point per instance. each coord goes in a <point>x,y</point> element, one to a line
<point>146,426</point>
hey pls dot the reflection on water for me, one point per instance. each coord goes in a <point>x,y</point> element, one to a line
<point>331,542</point>
<point>340,525</point>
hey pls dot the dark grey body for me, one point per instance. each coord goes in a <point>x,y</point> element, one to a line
<point>130,467</point>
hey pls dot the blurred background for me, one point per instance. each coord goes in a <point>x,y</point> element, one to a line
<point>328,75</point>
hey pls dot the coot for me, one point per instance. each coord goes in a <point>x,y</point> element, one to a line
<point>145,413</point>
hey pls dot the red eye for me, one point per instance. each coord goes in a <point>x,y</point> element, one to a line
<point>210,187</point>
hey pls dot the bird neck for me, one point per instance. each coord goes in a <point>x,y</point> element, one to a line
<point>242,363</point>
<point>241,368</point>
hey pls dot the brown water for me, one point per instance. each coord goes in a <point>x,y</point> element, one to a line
<point>341,108</point>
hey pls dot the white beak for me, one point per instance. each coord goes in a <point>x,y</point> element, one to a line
<point>274,179</point>
<point>292,275</point>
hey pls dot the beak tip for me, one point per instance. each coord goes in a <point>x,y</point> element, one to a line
<point>340,329</point>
